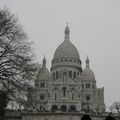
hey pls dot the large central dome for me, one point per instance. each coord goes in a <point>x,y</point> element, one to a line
<point>66,55</point>
<point>66,49</point>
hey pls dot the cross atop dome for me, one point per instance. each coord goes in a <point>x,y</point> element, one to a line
<point>44,62</point>
<point>66,23</point>
<point>87,62</point>
<point>67,32</point>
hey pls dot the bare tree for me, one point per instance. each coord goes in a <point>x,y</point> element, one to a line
<point>115,106</point>
<point>17,66</point>
<point>111,108</point>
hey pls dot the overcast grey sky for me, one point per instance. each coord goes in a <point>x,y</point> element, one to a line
<point>95,31</point>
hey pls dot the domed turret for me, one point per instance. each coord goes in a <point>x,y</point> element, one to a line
<point>87,73</point>
<point>43,73</point>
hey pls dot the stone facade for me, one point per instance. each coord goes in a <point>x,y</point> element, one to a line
<point>68,87</point>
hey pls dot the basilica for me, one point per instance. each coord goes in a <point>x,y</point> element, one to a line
<point>67,87</point>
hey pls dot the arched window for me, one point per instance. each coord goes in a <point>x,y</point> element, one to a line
<point>72,96</point>
<point>40,108</point>
<point>54,108</point>
<point>63,108</point>
<point>55,96</point>
<point>64,91</point>
<point>56,74</point>
<point>72,108</point>
<point>66,60</point>
<point>74,75</point>
<point>53,76</point>
<point>82,86</point>
<point>77,73</point>
<point>87,85</point>
<point>64,76</point>
<point>42,85</point>
<point>70,74</point>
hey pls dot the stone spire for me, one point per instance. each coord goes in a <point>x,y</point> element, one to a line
<point>44,62</point>
<point>67,32</point>
<point>87,62</point>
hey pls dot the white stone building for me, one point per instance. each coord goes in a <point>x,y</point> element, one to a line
<point>67,88</point>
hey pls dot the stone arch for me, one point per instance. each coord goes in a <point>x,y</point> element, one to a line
<point>54,108</point>
<point>72,108</point>
<point>64,108</point>
<point>86,117</point>
<point>109,118</point>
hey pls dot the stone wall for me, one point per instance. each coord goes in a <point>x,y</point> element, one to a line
<point>17,115</point>
<point>59,116</point>
<point>13,115</point>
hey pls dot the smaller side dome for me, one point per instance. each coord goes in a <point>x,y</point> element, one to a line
<point>43,73</point>
<point>87,73</point>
